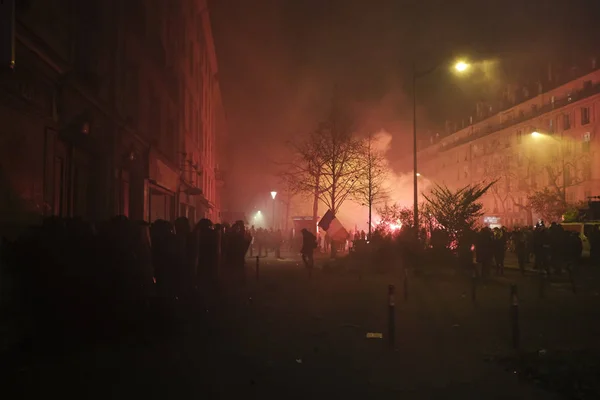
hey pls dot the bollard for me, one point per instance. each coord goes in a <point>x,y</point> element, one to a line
<point>405,284</point>
<point>474,286</point>
<point>514,315</point>
<point>391,315</point>
<point>257,267</point>
<point>573,288</point>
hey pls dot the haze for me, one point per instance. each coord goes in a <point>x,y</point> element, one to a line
<point>280,60</point>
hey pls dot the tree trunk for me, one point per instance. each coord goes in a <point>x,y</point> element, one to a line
<point>370,183</point>
<point>316,205</point>
<point>287,213</point>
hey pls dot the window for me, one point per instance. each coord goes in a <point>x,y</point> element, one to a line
<point>585,145</point>
<point>566,121</point>
<point>585,115</point>
<point>586,171</point>
<point>519,136</point>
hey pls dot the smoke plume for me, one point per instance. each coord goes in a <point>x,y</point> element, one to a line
<point>399,187</point>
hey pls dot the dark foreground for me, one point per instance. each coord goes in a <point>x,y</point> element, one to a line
<point>289,336</point>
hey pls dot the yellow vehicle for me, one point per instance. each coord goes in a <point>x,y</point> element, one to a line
<point>584,229</point>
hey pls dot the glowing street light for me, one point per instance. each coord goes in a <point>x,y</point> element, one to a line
<point>273,194</point>
<point>461,66</point>
<point>536,134</point>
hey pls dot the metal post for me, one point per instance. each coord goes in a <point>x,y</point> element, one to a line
<point>542,284</point>
<point>474,287</point>
<point>273,223</point>
<point>416,188</point>
<point>514,315</point>
<point>257,268</point>
<point>573,288</point>
<point>391,315</point>
<point>405,284</point>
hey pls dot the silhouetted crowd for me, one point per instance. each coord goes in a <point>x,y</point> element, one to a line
<point>265,240</point>
<point>68,275</point>
<point>553,249</point>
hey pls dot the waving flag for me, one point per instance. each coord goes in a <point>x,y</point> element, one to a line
<point>330,224</point>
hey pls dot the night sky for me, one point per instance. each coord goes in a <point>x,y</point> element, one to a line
<point>280,60</point>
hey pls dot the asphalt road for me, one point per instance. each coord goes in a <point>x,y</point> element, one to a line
<point>287,335</point>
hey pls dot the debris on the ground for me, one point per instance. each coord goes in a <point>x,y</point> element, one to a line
<point>374,335</point>
<point>567,372</point>
<point>299,360</point>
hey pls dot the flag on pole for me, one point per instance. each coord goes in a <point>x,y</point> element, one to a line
<point>330,224</point>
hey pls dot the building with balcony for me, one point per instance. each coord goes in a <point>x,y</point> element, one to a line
<point>203,120</point>
<point>562,156</point>
<point>170,98</point>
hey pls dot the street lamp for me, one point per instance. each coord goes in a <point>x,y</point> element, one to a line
<point>273,195</point>
<point>460,66</point>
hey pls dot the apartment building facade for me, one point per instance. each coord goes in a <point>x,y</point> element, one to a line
<point>94,114</point>
<point>549,141</point>
<point>203,123</point>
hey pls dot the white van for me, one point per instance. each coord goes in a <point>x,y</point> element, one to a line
<point>584,229</point>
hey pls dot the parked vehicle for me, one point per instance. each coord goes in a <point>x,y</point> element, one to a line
<point>584,229</point>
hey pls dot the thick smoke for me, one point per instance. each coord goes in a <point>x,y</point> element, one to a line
<point>399,187</point>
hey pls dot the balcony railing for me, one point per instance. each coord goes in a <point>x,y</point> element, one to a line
<point>588,91</point>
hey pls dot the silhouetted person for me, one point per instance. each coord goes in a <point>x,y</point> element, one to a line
<point>484,250</point>
<point>594,240</point>
<point>499,249</point>
<point>309,244</point>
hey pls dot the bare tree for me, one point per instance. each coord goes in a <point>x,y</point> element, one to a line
<point>498,168</point>
<point>515,177</point>
<point>371,189</point>
<point>326,164</point>
<point>565,165</point>
<point>302,174</point>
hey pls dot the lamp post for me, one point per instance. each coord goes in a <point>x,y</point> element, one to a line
<point>273,195</point>
<point>460,66</point>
